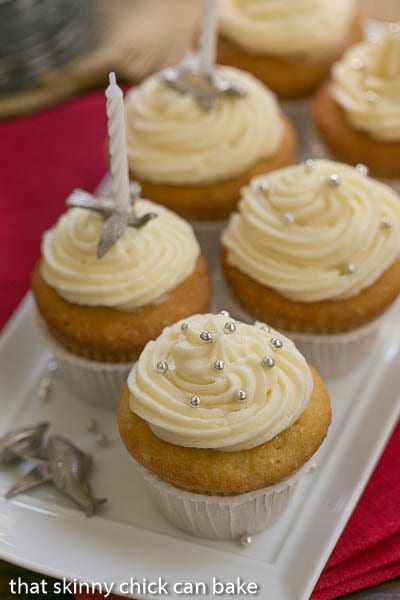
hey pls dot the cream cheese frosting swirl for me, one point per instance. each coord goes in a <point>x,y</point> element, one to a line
<point>366,84</point>
<point>319,232</point>
<point>139,269</point>
<point>286,27</point>
<point>276,395</point>
<point>172,140</point>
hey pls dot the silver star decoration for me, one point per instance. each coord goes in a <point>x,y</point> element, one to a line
<point>115,221</point>
<point>23,443</point>
<point>68,468</point>
<point>205,88</point>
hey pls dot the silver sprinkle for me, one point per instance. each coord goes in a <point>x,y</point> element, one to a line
<point>362,169</point>
<point>241,396</point>
<point>195,401</point>
<point>394,28</point>
<point>229,327</point>
<point>371,97</point>
<point>170,74</point>
<point>102,440</point>
<point>184,326</point>
<point>206,336</point>
<point>288,218</point>
<point>44,388</point>
<point>45,382</point>
<point>387,223</point>
<point>374,37</point>
<point>52,365</point>
<point>349,268</point>
<point>263,186</point>
<point>162,366</point>
<point>246,540</point>
<point>309,164</point>
<point>93,426</point>
<point>268,362</point>
<point>224,313</point>
<point>219,365</point>
<point>335,179</point>
<point>276,343</point>
<point>43,394</point>
<point>265,328</point>
<point>357,64</point>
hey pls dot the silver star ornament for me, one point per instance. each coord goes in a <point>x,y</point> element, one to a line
<point>115,222</point>
<point>207,89</point>
<point>67,468</point>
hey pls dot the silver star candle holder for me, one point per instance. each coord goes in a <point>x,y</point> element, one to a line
<point>60,463</point>
<point>206,88</point>
<point>115,221</point>
<point>24,443</point>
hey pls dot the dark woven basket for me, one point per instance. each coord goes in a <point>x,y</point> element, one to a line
<point>37,36</point>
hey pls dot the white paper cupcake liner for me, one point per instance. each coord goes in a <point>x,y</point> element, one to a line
<point>223,517</point>
<point>336,354</point>
<point>93,382</point>
<point>332,354</point>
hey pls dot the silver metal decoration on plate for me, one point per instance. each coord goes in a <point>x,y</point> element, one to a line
<point>23,443</point>
<point>206,88</point>
<point>68,468</point>
<point>115,221</point>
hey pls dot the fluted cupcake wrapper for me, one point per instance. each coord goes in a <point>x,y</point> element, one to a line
<point>94,382</point>
<point>336,354</point>
<point>223,517</point>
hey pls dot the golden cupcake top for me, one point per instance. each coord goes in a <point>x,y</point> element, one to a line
<point>320,230</point>
<point>286,27</point>
<point>172,139</point>
<point>214,382</point>
<point>366,84</point>
<point>142,266</point>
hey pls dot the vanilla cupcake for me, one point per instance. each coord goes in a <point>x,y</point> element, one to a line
<point>98,314</point>
<point>223,418</point>
<point>357,111</point>
<point>195,160</point>
<point>290,45</point>
<point>314,249</point>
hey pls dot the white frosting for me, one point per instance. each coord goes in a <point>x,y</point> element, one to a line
<point>142,266</point>
<point>172,140</point>
<point>286,27</point>
<point>332,226</point>
<point>365,68</point>
<point>276,397</point>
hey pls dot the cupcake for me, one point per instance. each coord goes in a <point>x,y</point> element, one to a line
<point>195,160</point>
<point>290,45</point>
<point>98,314</point>
<point>222,419</point>
<point>357,112</point>
<point>314,250</point>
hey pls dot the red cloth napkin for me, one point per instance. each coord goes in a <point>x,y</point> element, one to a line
<point>42,159</point>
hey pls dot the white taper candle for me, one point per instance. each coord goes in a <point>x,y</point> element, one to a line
<point>208,36</point>
<point>117,144</point>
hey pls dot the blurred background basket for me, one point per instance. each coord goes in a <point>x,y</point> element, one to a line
<point>132,37</point>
